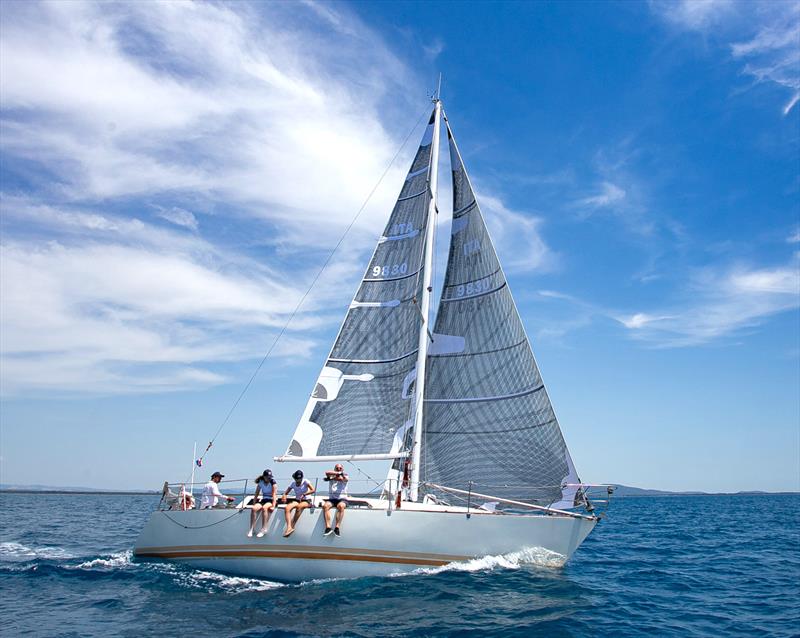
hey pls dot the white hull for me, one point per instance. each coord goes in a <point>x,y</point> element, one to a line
<point>374,542</point>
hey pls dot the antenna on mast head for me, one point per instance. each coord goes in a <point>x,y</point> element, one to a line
<point>437,95</point>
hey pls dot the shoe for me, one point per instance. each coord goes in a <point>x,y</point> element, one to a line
<point>250,534</point>
<point>328,531</point>
<point>336,531</point>
<point>288,533</point>
<point>260,534</point>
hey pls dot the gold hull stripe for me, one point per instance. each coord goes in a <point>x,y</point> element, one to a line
<point>298,552</point>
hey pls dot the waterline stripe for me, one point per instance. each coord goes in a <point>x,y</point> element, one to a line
<point>303,552</point>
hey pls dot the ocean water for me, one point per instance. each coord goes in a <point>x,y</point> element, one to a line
<point>678,566</point>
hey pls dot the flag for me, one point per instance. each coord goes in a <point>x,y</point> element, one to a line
<point>199,462</point>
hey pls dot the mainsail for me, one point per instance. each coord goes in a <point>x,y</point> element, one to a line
<point>488,421</point>
<point>363,402</point>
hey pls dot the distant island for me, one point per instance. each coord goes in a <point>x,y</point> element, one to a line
<point>627,491</point>
<point>56,489</point>
<point>620,491</point>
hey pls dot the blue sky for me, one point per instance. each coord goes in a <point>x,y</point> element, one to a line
<point>174,175</point>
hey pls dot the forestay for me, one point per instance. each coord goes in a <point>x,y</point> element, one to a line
<point>488,419</point>
<point>362,403</point>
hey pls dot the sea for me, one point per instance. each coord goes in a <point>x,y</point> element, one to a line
<point>655,566</point>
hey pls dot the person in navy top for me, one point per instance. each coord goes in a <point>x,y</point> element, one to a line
<point>264,502</point>
<point>302,490</point>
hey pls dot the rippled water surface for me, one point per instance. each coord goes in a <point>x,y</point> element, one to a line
<point>680,566</point>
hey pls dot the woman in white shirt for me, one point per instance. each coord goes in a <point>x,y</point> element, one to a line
<point>264,502</point>
<point>302,490</point>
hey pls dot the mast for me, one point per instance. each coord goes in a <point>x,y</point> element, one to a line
<point>425,302</point>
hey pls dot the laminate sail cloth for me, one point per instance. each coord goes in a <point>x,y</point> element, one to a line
<point>363,398</point>
<point>488,418</point>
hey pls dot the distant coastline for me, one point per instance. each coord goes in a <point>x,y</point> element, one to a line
<point>621,491</point>
<point>56,490</point>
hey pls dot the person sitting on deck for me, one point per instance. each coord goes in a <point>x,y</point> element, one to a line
<point>211,493</point>
<point>337,497</point>
<point>264,502</point>
<point>301,488</point>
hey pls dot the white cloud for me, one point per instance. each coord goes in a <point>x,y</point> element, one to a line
<point>520,245</point>
<point>773,54</point>
<point>794,237</point>
<point>271,120</point>
<point>609,195</point>
<point>722,304</point>
<point>639,320</point>
<point>621,193</point>
<point>693,14</point>
<point>115,318</point>
<point>555,294</point>
<point>179,217</point>
<point>777,280</point>
<point>250,114</point>
<point>434,49</point>
<point>764,36</point>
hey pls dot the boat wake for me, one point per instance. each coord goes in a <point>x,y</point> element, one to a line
<point>13,552</point>
<point>213,581</point>
<point>529,556</point>
<point>114,561</point>
<point>16,557</point>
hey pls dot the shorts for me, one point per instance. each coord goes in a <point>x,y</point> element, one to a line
<point>262,501</point>
<point>335,501</point>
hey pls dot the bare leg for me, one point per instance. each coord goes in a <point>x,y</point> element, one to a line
<point>326,512</point>
<point>253,517</point>
<point>340,513</point>
<point>265,514</point>
<point>287,514</point>
<point>299,510</point>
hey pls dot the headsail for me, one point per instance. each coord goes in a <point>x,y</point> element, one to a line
<point>363,403</point>
<point>488,418</point>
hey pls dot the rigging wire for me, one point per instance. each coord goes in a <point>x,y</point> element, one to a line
<point>360,471</point>
<point>313,283</point>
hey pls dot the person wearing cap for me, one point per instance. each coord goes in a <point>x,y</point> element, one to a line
<point>211,493</point>
<point>337,498</point>
<point>264,502</point>
<point>302,489</point>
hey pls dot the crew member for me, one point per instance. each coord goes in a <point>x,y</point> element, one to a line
<point>211,493</point>
<point>337,498</point>
<point>302,490</point>
<point>264,502</point>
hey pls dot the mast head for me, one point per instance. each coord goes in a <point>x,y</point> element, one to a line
<point>436,97</point>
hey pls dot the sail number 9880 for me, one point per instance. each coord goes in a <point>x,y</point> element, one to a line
<point>473,288</point>
<point>390,271</point>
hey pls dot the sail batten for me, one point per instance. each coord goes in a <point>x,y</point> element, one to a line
<point>488,413</point>
<point>502,397</point>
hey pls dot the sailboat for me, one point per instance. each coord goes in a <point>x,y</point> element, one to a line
<point>478,463</point>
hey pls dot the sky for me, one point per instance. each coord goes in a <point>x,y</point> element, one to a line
<point>174,175</point>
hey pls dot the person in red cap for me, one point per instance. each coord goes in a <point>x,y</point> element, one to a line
<point>211,493</point>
